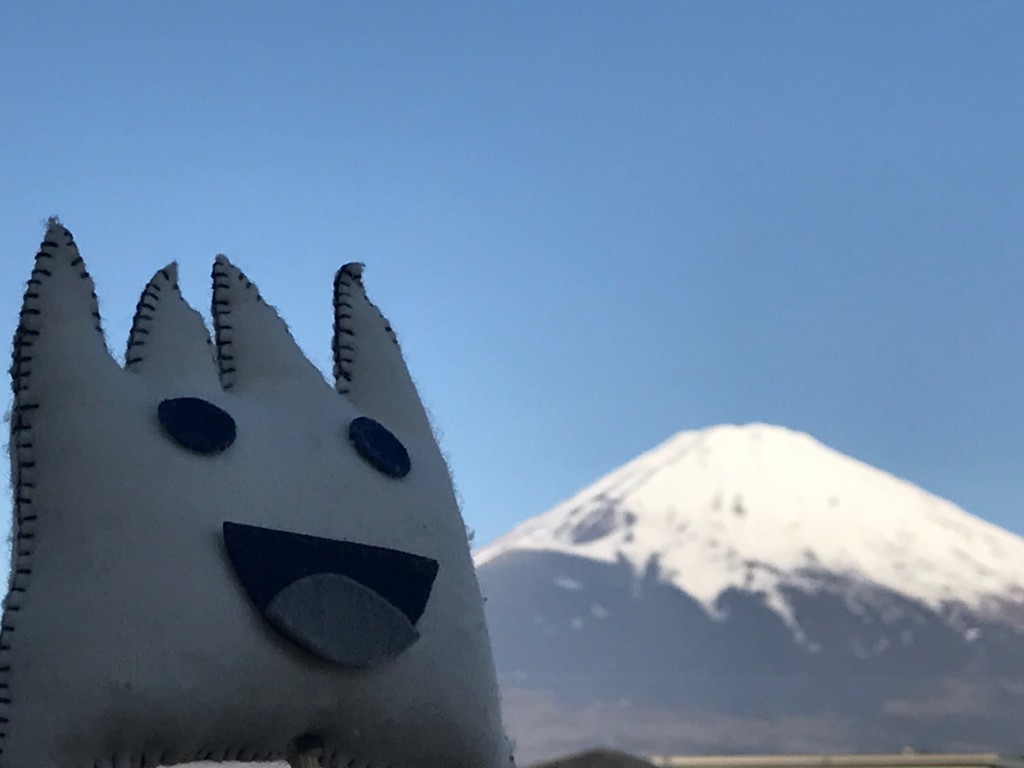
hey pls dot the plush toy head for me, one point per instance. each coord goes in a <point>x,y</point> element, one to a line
<point>217,554</point>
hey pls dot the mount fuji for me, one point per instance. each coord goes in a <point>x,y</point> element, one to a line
<point>746,588</point>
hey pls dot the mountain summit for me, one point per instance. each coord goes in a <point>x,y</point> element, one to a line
<point>746,588</point>
<point>761,508</point>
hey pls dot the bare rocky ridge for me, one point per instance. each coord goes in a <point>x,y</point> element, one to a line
<point>749,589</point>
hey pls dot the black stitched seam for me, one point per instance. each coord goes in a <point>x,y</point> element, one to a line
<point>221,330</point>
<point>140,320</point>
<point>342,300</point>
<point>25,519</point>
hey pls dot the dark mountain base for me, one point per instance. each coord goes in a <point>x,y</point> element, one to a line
<point>590,654</point>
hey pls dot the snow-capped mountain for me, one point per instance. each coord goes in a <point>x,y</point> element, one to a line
<point>776,592</point>
<point>761,508</point>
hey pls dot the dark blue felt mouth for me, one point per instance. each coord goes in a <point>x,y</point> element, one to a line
<point>350,603</point>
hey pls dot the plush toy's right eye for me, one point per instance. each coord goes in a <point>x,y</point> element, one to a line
<point>379,447</point>
<point>195,424</point>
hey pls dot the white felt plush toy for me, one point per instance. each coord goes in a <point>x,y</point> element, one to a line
<point>218,556</point>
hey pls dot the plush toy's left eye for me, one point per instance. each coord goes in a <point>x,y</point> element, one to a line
<point>379,447</point>
<point>196,424</point>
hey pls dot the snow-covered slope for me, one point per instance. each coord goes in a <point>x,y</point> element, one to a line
<point>762,508</point>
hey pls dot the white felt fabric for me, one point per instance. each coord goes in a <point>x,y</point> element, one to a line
<point>127,639</point>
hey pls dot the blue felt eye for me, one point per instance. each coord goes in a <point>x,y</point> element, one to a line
<point>195,424</point>
<point>379,447</point>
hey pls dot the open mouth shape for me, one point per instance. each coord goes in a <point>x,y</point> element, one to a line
<point>349,603</point>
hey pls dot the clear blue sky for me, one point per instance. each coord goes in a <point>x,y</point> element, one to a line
<point>593,224</point>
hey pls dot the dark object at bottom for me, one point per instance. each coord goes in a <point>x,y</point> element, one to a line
<point>596,758</point>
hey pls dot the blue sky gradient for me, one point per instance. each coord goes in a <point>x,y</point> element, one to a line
<point>592,224</point>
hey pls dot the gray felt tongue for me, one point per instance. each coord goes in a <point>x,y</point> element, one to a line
<point>339,619</point>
